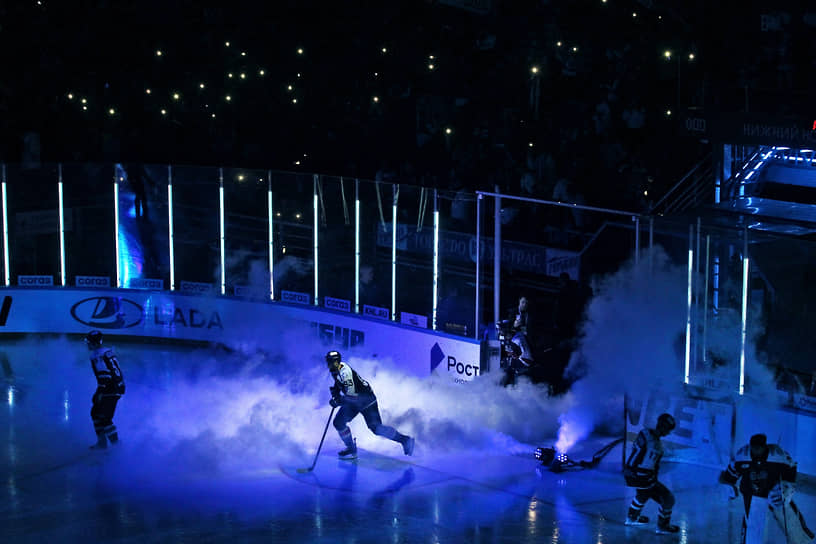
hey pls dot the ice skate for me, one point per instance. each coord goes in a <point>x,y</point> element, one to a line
<point>348,453</point>
<point>101,444</point>
<point>636,521</point>
<point>666,528</point>
<point>408,446</point>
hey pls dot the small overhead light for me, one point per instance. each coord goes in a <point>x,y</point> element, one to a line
<point>200,85</point>
<point>158,53</point>
<point>228,98</point>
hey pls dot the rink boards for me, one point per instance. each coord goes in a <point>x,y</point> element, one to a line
<point>231,321</point>
<point>709,431</point>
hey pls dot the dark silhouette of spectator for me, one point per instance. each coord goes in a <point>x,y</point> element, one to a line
<point>787,381</point>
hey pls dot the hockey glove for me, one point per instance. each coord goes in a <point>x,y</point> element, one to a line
<point>336,401</point>
<point>781,494</point>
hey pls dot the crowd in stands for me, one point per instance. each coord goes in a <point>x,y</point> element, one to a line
<point>599,122</point>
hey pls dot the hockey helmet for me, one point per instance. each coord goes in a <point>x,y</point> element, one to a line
<point>759,447</point>
<point>94,339</point>
<point>333,357</point>
<point>665,424</point>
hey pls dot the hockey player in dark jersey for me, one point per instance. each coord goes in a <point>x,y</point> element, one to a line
<point>354,396</point>
<point>110,386</point>
<point>640,472</point>
<point>767,476</point>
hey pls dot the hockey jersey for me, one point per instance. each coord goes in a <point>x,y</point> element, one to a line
<point>109,379</point>
<point>350,383</point>
<point>757,478</point>
<point>643,463</point>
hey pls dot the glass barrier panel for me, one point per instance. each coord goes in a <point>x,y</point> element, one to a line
<point>246,204</point>
<point>457,263</point>
<point>375,249</point>
<point>336,243</point>
<point>143,224</point>
<point>293,204</point>
<point>33,223</point>
<point>151,219</point>
<point>196,240</point>
<point>414,256</point>
<point>90,245</point>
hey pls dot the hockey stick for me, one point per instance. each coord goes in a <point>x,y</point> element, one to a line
<point>784,513</point>
<point>311,468</point>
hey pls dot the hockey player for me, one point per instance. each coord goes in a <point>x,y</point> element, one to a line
<point>641,470</point>
<point>767,475</point>
<point>110,386</point>
<point>354,396</point>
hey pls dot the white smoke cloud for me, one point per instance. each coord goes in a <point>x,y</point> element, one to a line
<point>633,343</point>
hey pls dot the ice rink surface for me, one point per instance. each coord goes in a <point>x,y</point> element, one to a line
<point>67,493</point>
<point>212,440</point>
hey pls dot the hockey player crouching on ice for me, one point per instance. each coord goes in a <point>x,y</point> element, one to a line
<point>354,396</point>
<point>110,386</point>
<point>640,472</point>
<point>766,475</point>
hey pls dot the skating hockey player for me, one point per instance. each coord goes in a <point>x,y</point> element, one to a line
<point>110,386</point>
<point>767,476</point>
<point>353,395</point>
<point>640,472</point>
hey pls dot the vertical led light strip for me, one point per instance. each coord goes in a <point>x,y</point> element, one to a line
<point>314,236</point>
<point>395,192</point>
<point>435,260</point>
<point>61,225</point>
<point>705,298</point>
<point>744,319</point>
<point>116,227</point>
<point>6,263</point>
<point>221,228</point>
<point>357,246</point>
<point>271,236</point>
<point>688,307</point>
<point>478,264</point>
<point>170,234</point>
